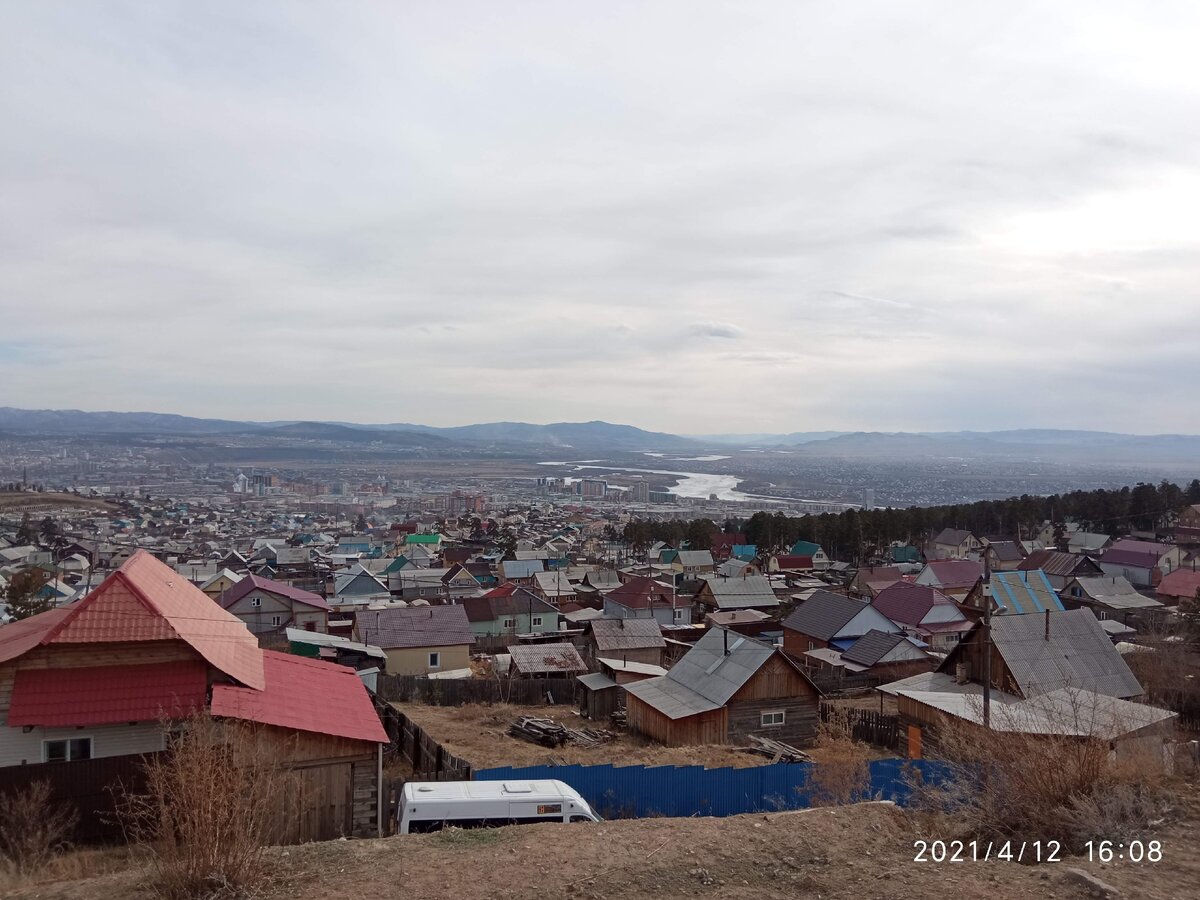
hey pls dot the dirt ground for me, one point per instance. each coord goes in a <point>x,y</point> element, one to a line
<point>847,853</point>
<point>478,734</point>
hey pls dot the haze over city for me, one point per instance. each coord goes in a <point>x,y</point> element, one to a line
<point>691,218</point>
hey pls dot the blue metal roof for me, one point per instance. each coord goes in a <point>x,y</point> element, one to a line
<point>1025,592</point>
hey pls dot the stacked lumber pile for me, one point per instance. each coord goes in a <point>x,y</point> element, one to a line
<point>549,733</point>
<point>546,732</point>
<point>777,751</point>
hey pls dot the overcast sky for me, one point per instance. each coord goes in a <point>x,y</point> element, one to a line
<point>692,216</point>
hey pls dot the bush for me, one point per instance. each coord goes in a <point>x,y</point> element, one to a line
<point>842,773</point>
<point>33,829</point>
<point>218,797</point>
<point>1001,784</point>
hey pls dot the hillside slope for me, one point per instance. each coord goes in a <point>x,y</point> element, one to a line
<point>851,853</point>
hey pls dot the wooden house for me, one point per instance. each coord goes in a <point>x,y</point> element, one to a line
<point>725,689</point>
<point>267,606</point>
<point>418,640</point>
<point>96,680</point>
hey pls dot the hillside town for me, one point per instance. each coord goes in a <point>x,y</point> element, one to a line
<point>557,632</point>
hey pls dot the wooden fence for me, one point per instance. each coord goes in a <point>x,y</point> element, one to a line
<point>459,691</point>
<point>846,684</point>
<point>91,786</point>
<point>430,761</point>
<point>867,725</point>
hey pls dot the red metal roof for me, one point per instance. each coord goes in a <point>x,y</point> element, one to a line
<point>639,592</point>
<point>144,600</point>
<point>790,561</point>
<point>1180,584</point>
<point>104,695</point>
<point>306,695</point>
<point>908,603</point>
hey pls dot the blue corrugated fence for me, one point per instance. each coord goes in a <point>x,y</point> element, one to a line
<point>640,791</point>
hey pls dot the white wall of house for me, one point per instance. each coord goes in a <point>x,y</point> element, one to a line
<point>19,747</point>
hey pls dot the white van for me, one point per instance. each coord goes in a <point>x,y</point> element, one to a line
<point>430,805</point>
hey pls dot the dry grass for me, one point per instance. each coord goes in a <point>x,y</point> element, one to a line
<point>477,733</point>
<point>1038,787</point>
<point>73,865</point>
<point>214,802</point>
<point>33,829</point>
<point>842,773</point>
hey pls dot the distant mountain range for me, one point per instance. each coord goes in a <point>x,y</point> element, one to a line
<point>595,436</point>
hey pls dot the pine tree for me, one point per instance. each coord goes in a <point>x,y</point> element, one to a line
<point>22,596</point>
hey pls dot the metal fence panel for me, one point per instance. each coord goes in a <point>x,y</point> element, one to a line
<point>680,791</point>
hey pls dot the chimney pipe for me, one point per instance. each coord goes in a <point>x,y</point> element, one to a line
<point>725,633</point>
<point>1047,624</point>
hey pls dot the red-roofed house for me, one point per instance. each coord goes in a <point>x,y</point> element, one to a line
<point>641,597</point>
<point>1182,584</point>
<point>953,577</point>
<point>267,606</point>
<point>723,544</point>
<point>1142,563</point>
<point>924,612</point>
<point>97,678</point>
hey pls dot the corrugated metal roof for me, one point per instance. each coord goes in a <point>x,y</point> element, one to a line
<point>1052,562</point>
<point>104,695</point>
<point>1025,592</point>
<point>672,699</point>
<point>1078,654</point>
<point>306,695</point>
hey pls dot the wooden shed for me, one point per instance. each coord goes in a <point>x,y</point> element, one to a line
<point>725,689</point>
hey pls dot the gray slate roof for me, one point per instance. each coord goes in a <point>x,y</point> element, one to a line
<point>1079,654</point>
<point>627,634</point>
<point>1115,592</point>
<point>742,592</point>
<point>823,615</point>
<point>416,626</point>
<point>540,659</point>
<point>872,647</point>
<point>706,677</point>
<point>952,536</point>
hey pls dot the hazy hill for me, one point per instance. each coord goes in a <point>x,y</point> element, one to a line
<point>1031,444</point>
<point>74,421</point>
<point>325,431</point>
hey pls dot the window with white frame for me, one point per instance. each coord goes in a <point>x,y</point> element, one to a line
<point>67,749</point>
<point>509,624</point>
<point>277,620</point>
<point>256,601</point>
<point>678,615</point>
<point>537,622</point>
<point>435,660</point>
<point>772,718</point>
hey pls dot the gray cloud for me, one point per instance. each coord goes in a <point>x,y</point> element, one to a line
<point>715,329</point>
<point>202,207</point>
